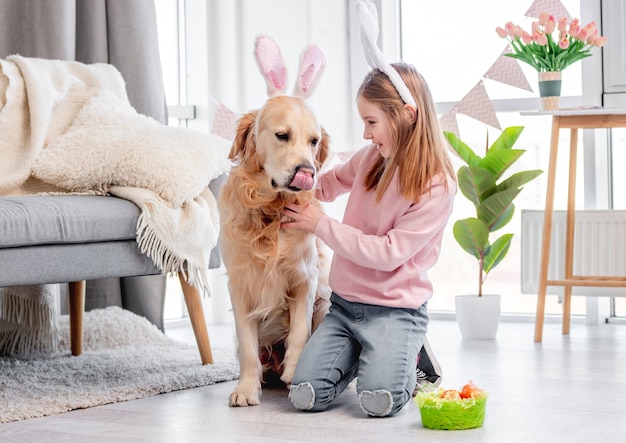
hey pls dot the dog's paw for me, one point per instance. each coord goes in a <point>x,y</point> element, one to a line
<point>287,376</point>
<point>245,394</point>
<point>239,398</point>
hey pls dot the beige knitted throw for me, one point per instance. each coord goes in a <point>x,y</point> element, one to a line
<point>68,127</point>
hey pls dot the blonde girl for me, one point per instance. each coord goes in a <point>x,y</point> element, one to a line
<point>401,189</point>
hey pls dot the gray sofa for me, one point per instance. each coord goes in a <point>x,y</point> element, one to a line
<point>73,238</point>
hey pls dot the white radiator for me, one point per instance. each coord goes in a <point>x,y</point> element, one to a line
<point>599,249</point>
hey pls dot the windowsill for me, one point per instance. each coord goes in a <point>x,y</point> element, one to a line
<point>512,318</point>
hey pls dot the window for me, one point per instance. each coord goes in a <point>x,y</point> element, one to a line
<point>170,50</point>
<point>453,52</point>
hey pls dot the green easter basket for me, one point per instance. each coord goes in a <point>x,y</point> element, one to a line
<point>440,413</point>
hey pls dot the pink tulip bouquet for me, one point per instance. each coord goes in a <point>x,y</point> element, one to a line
<point>547,50</point>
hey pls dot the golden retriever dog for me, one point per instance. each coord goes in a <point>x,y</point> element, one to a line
<point>278,289</point>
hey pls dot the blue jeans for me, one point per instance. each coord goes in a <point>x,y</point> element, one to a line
<point>376,344</point>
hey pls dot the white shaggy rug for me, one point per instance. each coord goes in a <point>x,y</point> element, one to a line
<point>125,357</point>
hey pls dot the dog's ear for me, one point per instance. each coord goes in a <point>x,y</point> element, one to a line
<point>323,150</point>
<point>244,144</point>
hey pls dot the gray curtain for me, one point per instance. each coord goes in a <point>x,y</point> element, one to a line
<point>124,34</point>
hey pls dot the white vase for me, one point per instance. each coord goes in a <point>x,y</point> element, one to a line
<point>478,317</point>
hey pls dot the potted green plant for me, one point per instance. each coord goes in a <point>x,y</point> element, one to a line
<point>482,181</point>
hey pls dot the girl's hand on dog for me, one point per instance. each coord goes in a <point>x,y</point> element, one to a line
<point>302,217</point>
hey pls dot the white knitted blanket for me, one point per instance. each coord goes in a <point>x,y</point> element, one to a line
<point>68,127</point>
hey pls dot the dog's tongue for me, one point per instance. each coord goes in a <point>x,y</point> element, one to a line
<point>302,180</point>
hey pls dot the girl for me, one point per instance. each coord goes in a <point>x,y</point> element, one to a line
<point>401,189</point>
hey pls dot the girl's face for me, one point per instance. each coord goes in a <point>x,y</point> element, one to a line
<point>376,126</point>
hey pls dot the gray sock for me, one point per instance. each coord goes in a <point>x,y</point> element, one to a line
<point>377,403</point>
<point>302,396</point>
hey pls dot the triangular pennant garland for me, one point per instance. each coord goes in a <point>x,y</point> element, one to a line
<point>551,7</point>
<point>448,122</point>
<point>508,71</point>
<point>343,156</point>
<point>477,104</point>
<point>224,122</point>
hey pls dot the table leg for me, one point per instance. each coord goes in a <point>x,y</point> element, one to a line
<point>547,230</point>
<point>569,230</point>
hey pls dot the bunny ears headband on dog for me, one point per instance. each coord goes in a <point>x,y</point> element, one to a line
<point>368,19</point>
<point>270,61</point>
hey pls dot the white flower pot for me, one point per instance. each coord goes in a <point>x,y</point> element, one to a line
<point>478,317</point>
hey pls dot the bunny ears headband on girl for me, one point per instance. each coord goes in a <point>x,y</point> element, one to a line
<point>368,19</point>
<point>270,61</point>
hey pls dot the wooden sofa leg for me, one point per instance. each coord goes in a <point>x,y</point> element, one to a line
<point>77,308</point>
<point>193,301</point>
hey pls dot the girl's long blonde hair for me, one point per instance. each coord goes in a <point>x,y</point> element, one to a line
<point>421,152</point>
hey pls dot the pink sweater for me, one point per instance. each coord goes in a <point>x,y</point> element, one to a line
<point>382,251</point>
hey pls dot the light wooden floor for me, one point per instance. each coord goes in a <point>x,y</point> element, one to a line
<point>567,389</point>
